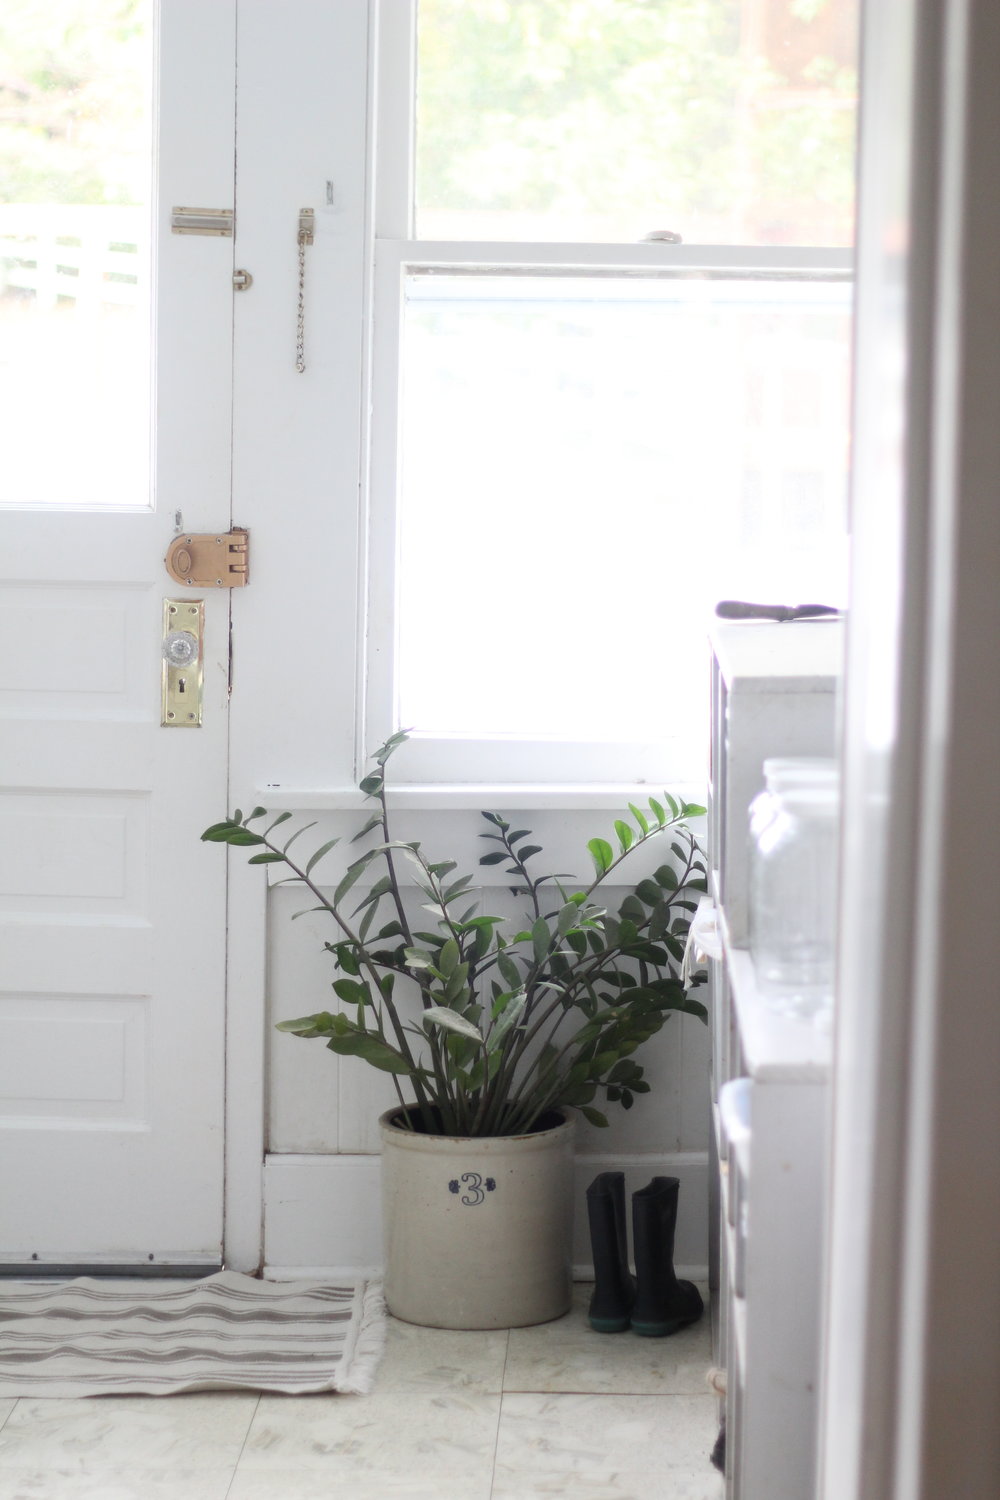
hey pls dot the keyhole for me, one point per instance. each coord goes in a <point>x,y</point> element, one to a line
<point>182,684</point>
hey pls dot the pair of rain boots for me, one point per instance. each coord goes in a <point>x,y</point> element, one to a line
<point>652,1302</point>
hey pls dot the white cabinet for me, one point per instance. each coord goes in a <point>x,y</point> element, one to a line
<point>774,693</point>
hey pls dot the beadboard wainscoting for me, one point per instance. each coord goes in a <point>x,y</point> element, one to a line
<point>321,1184</point>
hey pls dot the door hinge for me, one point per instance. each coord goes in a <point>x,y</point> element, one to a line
<point>211,560</point>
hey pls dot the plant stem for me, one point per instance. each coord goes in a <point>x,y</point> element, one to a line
<point>404,1047</point>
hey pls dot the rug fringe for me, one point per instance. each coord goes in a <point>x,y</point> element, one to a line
<point>358,1376</point>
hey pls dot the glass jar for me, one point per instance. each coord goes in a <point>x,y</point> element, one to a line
<point>787,771</point>
<point>793,900</point>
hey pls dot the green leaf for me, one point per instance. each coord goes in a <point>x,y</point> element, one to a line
<point>281,818</point>
<point>314,859</point>
<point>266,859</point>
<point>693,810</point>
<point>640,817</point>
<point>230,832</point>
<point>354,873</point>
<point>528,851</point>
<point>381,888</point>
<point>317,1025</point>
<point>352,991</point>
<point>259,812</point>
<point>495,858</point>
<point>346,957</point>
<point>372,1049</point>
<point>540,940</point>
<point>371,785</point>
<point>298,834</point>
<point>692,1008</point>
<point>218,833</point>
<point>659,812</point>
<point>450,1020</point>
<point>392,744</point>
<point>667,877</point>
<point>567,918</point>
<point>374,821</point>
<point>417,958</point>
<point>602,854</point>
<point>509,971</point>
<point>672,804</point>
<point>512,1012</point>
<point>447,960</point>
<point>650,892</point>
<point>482,940</point>
<point>456,983</point>
<point>625,835</point>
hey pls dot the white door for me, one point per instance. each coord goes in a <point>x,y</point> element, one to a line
<point>112,914</point>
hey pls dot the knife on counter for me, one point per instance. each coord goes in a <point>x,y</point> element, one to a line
<point>739,609</point>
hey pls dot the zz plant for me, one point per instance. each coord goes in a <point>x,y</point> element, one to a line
<point>504,1027</point>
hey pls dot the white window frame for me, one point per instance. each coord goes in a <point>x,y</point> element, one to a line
<point>394,252</point>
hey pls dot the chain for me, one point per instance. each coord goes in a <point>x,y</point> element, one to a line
<point>300,327</point>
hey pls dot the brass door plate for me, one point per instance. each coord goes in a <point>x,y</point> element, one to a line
<point>182,673</point>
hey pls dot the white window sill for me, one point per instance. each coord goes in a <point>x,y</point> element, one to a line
<point>521,796</point>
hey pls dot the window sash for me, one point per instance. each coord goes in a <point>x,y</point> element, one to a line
<point>395,254</point>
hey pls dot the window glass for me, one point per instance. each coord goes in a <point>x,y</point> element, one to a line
<point>723,121</point>
<point>588,464</point>
<point>75,161</point>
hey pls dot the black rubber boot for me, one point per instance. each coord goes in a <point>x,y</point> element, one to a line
<point>662,1303</point>
<point>614,1285</point>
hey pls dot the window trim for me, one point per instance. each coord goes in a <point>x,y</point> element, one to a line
<point>393,253</point>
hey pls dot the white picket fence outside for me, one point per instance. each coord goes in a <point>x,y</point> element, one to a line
<point>87,255</point>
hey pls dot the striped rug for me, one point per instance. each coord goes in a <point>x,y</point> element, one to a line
<point>92,1337</point>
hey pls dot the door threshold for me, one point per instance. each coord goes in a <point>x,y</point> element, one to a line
<point>60,1270</point>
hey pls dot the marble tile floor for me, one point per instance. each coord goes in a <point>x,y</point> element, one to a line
<point>530,1414</point>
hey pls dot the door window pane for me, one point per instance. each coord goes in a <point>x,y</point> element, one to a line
<point>588,464</point>
<point>725,121</point>
<point>75,167</point>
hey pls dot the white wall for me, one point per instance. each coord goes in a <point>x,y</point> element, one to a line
<point>323,1109</point>
<point>302,141</point>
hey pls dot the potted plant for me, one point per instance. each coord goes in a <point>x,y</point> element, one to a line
<point>493,1038</point>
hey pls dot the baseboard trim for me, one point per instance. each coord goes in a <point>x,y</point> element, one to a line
<point>322,1213</point>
